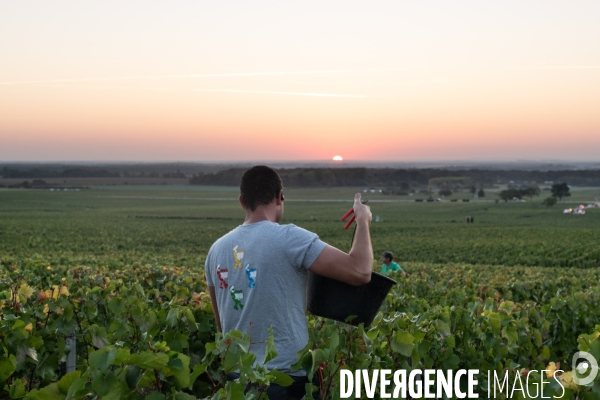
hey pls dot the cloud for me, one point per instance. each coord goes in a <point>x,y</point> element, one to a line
<point>311,94</point>
<point>255,74</point>
<point>200,76</point>
<point>241,91</point>
<point>566,67</point>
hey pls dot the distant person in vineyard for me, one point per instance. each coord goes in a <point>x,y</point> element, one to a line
<point>257,274</point>
<point>389,265</point>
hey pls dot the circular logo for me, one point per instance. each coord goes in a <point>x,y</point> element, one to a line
<point>590,365</point>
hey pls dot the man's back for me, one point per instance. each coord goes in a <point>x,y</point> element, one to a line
<point>259,274</point>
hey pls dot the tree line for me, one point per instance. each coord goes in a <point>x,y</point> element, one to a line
<point>558,191</point>
<point>36,173</point>
<point>404,179</point>
<point>394,180</point>
<point>106,170</point>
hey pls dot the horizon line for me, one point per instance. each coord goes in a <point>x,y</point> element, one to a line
<point>327,160</point>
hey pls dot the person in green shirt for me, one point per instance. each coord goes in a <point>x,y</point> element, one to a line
<point>389,265</point>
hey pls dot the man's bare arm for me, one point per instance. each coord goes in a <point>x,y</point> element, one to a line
<point>356,266</point>
<point>213,300</point>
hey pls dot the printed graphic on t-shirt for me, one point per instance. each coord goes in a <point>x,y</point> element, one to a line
<point>237,296</point>
<point>238,255</point>
<point>251,273</point>
<point>222,274</point>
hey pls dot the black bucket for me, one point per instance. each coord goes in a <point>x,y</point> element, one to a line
<point>337,300</point>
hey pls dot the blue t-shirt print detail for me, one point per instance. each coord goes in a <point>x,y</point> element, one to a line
<point>251,273</point>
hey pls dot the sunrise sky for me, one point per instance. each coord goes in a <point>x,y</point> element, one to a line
<point>282,80</point>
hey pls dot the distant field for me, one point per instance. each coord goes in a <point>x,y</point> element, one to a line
<point>177,224</point>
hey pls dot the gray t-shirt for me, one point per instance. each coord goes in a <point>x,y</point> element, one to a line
<point>259,273</point>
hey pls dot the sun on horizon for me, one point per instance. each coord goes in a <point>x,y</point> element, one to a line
<point>337,158</point>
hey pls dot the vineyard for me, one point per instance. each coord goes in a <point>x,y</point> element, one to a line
<point>114,278</point>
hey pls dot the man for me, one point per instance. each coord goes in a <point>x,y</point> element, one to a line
<point>257,273</point>
<point>389,265</point>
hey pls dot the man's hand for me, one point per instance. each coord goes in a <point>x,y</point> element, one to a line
<point>356,266</point>
<point>362,212</point>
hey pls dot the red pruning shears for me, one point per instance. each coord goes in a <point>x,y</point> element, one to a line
<point>350,212</point>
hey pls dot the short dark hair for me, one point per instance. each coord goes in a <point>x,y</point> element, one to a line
<point>388,255</point>
<point>259,186</point>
